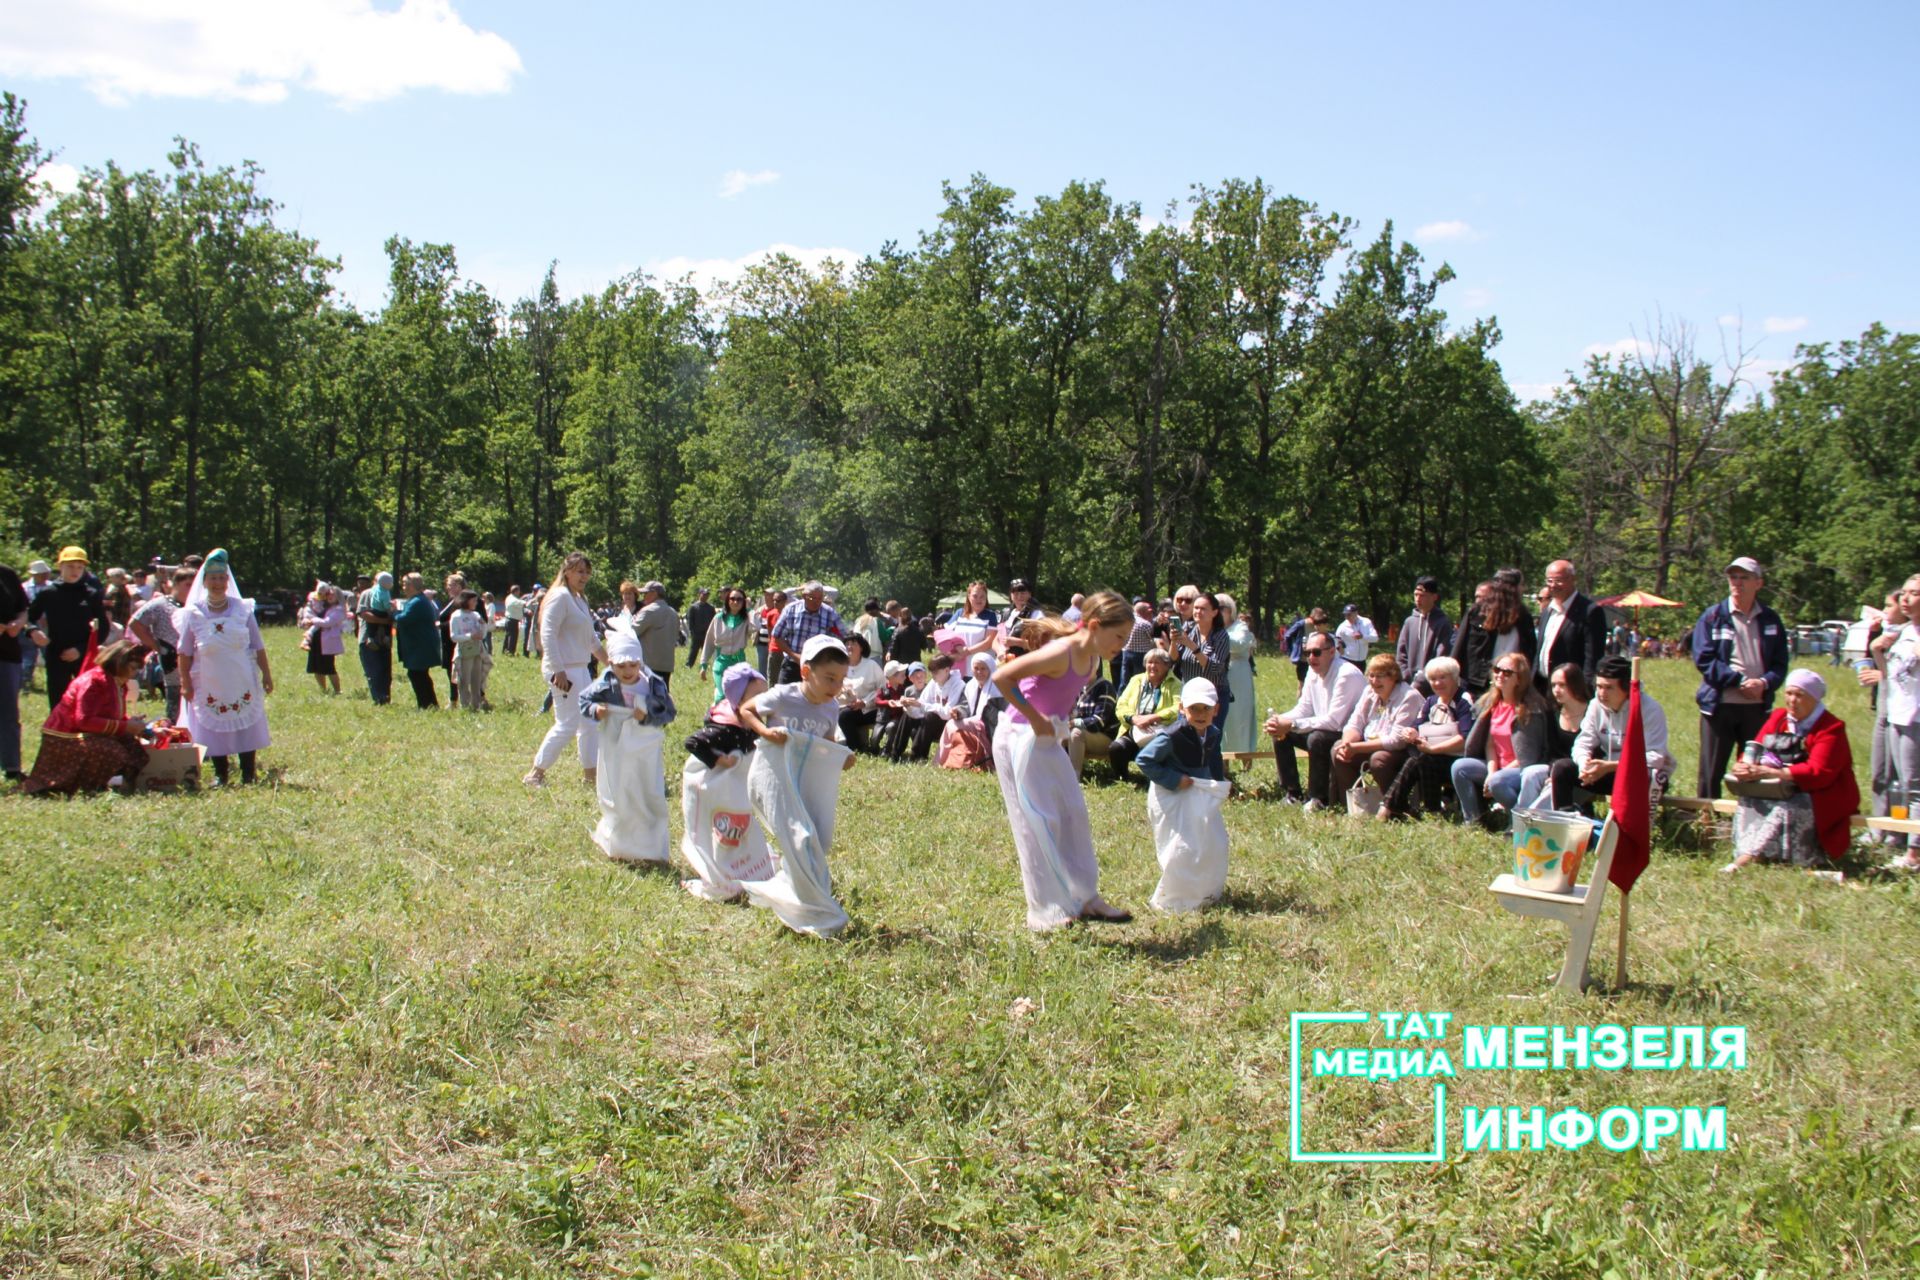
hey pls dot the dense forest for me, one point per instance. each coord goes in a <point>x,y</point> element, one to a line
<point>1243,390</point>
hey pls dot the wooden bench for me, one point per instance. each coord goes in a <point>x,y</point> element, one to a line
<point>1725,808</point>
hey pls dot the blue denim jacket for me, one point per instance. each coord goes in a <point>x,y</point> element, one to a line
<point>606,689</point>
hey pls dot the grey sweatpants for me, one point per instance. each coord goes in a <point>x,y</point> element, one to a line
<point>1903,744</point>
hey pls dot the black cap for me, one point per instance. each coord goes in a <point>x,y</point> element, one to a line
<point>1019,584</point>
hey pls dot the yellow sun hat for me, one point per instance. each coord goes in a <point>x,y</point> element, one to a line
<point>71,553</point>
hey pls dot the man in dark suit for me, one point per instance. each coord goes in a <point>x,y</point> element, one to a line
<point>1572,628</point>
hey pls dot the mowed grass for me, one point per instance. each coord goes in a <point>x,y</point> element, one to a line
<point>394,1015</point>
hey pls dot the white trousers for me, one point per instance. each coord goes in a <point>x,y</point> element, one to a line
<point>568,723</point>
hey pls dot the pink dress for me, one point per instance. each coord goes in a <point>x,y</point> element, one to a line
<point>1045,806</point>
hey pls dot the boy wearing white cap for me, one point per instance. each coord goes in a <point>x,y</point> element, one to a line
<point>1191,749</point>
<point>794,785</point>
<point>812,705</point>
<point>1183,804</point>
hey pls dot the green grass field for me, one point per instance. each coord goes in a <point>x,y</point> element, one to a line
<point>394,1015</point>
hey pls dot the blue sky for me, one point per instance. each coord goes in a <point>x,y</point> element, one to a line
<point>1584,170</point>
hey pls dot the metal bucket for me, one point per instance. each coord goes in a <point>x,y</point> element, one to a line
<point>1548,847</point>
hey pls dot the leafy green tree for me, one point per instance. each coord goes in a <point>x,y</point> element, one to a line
<point>1827,475</point>
<point>1645,440</point>
<point>1415,457</point>
<point>1267,257</point>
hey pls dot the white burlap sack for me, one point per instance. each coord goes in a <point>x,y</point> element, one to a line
<point>722,841</point>
<point>1190,838</point>
<point>632,790</point>
<point>795,789</point>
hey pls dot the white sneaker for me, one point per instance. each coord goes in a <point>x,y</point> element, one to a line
<point>1312,806</point>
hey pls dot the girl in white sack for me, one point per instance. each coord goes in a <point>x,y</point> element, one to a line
<point>1045,807</point>
<point>719,836</point>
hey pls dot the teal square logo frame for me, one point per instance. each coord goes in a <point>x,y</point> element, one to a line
<point>1297,1080</point>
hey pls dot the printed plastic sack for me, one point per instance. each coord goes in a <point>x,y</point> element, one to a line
<point>1190,838</point>
<point>795,790</point>
<point>722,842</point>
<point>632,791</point>
<point>949,641</point>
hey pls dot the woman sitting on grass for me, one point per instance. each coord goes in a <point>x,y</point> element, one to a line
<point>90,739</point>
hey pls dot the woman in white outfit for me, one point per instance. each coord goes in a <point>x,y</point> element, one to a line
<point>567,642</point>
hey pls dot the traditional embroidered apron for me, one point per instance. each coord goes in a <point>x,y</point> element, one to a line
<point>227,697</point>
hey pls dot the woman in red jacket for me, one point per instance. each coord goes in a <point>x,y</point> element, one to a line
<point>1813,824</point>
<point>90,738</point>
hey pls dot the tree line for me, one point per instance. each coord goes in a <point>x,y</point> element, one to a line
<point>1242,391</point>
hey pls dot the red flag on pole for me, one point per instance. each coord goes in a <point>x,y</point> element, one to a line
<point>1632,804</point>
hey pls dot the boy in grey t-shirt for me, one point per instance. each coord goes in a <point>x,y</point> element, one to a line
<point>811,706</point>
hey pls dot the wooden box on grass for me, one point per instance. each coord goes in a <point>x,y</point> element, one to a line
<point>173,766</point>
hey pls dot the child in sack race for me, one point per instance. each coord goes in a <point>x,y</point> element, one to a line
<point>632,708</point>
<point>1189,784</point>
<point>794,784</point>
<point>720,838</point>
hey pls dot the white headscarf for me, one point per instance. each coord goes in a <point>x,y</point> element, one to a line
<point>1813,686</point>
<point>623,646</point>
<point>216,559</point>
<point>979,688</point>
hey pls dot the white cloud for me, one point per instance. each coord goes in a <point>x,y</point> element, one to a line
<point>737,181</point>
<point>1619,349</point>
<point>59,179</point>
<point>1528,392</point>
<point>707,275</point>
<point>253,51</point>
<point>1784,324</point>
<point>1761,373</point>
<point>1441,232</point>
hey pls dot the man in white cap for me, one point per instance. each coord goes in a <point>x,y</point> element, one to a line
<point>1740,647</point>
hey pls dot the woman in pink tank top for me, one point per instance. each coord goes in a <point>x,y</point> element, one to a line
<point>1045,805</point>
